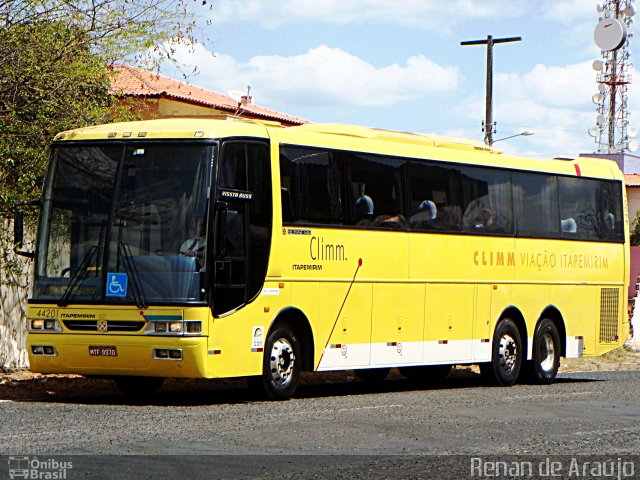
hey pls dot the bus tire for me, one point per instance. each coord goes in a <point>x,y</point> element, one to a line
<point>138,387</point>
<point>506,355</point>
<point>426,373</point>
<point>281,365</point>
<point>372,375</point>
<point>545,362</point>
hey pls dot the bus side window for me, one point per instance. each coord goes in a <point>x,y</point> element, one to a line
<point>579,202</point>
<point>434,197</point>
<point>535,203</point>
<point>486,196</point>
<point>312,178</point>
<point>376,183</point>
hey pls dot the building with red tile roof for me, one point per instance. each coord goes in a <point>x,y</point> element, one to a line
<point>632,179</point>
<point>157,96</point>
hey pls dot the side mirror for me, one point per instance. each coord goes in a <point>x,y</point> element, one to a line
<point>18,230</point>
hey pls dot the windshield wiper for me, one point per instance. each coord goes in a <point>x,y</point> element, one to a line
<point>130,267</point>
<point>79,275</point>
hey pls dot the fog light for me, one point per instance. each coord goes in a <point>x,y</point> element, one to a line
<point>175,354</point>
<point>37,350</point>
<point>194,327</point>
<point>161,327</point>
<point>162,353</point>
<point>175,327</point>
<point>37,324</point>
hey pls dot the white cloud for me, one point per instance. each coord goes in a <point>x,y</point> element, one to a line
<point>422,13</point>
<point>323,76</point>
<point>554,102</point>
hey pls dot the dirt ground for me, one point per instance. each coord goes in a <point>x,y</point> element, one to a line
<point>27,386</point>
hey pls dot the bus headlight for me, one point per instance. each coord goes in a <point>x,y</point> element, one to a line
<point>44,350</point>
<point>44,325</point>
<point>186,327</point>
<point>37,324</point>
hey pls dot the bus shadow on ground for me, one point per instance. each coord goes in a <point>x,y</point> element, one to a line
<point>202,392</point>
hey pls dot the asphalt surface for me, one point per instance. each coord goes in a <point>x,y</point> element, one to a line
<point>344,429</point>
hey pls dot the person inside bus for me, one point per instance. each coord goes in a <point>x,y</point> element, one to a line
<point>364,204</point>
<point>478,215</point>
<point>427,212</point>
<point>568,225</point>
<point>195,246</point>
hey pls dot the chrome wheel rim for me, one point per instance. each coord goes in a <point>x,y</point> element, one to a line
<point>507,353</point>
<point>547,352</point>
<point>282,362</point>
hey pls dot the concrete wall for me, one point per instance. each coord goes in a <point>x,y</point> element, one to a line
<point>15,286</point>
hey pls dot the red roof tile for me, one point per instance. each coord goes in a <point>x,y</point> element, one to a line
<point>136,82</point>
<point>632,179</point>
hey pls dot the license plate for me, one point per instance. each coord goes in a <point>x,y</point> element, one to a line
<point>101,351</point>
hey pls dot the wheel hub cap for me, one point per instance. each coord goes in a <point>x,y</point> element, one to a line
<point>508,353</point>
<point>546,352</point>
<point>282,361</point>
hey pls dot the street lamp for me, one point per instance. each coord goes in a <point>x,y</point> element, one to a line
<point>525,133</point>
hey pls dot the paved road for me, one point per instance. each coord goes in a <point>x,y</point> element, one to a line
<point>582,414</point>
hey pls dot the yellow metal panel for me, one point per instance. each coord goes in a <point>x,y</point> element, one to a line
<point>353,321</point>
<point>398,316</point>
<point>449,312</point>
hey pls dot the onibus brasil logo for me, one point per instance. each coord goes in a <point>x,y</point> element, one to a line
<point>33,468</point>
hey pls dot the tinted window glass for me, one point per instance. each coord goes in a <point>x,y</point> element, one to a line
<point>435,201</point>
<point>374,185</point>
<point>486,196</point>
<point>535,200</point>
<point>611,211</point>
<point>579,208</point>
<point>311,186</point>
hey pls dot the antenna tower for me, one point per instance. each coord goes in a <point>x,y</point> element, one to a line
<point>612,131</point>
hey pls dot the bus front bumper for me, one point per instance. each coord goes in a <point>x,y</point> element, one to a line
<point>181,357</point>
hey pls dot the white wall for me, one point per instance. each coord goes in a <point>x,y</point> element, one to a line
<point>15,285</point>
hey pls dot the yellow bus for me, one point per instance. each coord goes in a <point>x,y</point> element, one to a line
<point>222,247</point>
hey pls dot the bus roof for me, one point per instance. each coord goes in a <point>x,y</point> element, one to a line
<point>337,136</point>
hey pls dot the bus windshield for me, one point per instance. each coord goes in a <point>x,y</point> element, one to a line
<point>124,223</point>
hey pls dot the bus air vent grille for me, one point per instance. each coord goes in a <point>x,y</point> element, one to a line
<point>609,298</point>
<point>92,326</point>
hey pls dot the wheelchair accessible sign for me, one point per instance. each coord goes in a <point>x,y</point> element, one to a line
<point>117,285</point>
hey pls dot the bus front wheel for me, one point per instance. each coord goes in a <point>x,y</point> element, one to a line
<point>543,367</point>
<point>281,365</point>
<point>506,355</point>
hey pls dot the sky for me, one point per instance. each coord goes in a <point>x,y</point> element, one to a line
<point>399,65</point>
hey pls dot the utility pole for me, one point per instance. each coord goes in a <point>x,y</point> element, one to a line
<point>488,118</point>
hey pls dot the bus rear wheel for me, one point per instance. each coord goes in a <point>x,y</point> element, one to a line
<point>543,367</point>
<point>427,373</point>
<point>138,387</point>
<point>281,365</point>
<point>506,355</point>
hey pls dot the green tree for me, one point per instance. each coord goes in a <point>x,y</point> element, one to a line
<point>54,56</point>
<point>45,86</point>
<point>634,234</point>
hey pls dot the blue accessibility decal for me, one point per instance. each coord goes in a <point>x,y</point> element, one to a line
<point>117,284</point>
